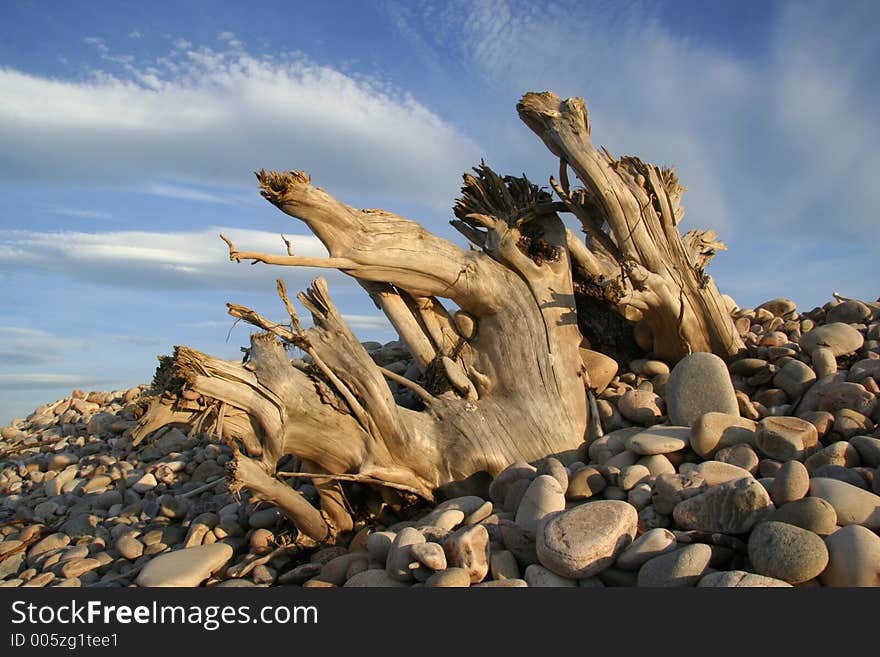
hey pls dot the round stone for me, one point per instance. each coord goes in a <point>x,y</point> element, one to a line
<point>791,483</point>
<point>657,464</point>
<point>379,544</point>
<point>600,368</point>
<point>641,406</point>
<point>449,578</point>
<point>679,568</point>
<point>586,539</point>
<point>778,307</point>
<point>468,548</point>
<point>553,467</point>
<point>265,518</point>
<point>659,440</point>
<point>785,438</point>
<point>373,578</point>
<point>145,483</point>
<point>839,453</point>
<point>730,508</point>
<point>543,496</point>
<point>698,384</point>
<point>651,544</point>
<point>400,555</point>
<point>632,475</point>
<point>261,541</point>
<point>585,483</point>
<point>848,475</point>
<point>430,555</point>
<point>611,444</point>
<point>853,505</point>
<point>840,338</point>
<point>46,545</point>
<point>864,368</point>
<point>503,565</point>
<point>794,378</point>
<point>868,449</point>
<point>717,472</point>
<point>824,362</point>
<point>538,576</point>
<point>740,579</point>
<point>811,513</point>
<point>671,489</point>
<point>129,547</point>
<point>786,552</point>
<point>714,431</point>
<point>742,456</point>
<point>850,311</point>
<point>854,558</point>
<point>187,567</point>
<point>509,476</point>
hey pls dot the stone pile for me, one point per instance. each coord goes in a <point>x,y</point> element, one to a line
<point>763,472</point>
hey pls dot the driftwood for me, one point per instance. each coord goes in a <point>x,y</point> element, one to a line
<point>500,376</point>
<point>634,253</point>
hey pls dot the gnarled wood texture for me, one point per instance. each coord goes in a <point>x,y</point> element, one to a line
<point>499,380</point>
<point>630,210</point>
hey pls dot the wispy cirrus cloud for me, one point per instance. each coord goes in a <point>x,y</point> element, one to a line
<point>180,193</point>
<point>159,260</point>
<point>213,116</point>
<point>81,214</point>
<point>49,381</point>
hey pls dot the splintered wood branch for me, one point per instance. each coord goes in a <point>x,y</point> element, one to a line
<point>244,472</point>
<point>364,479</point>
<point>255,319</point>
<point>426,396</point>
<point>403,320</point>
<point>287,260</point>
<point>640,203</point>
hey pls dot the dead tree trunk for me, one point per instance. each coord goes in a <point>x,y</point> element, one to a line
<point>634,255</point>
<point>501,377</point>
<point>505,378</point>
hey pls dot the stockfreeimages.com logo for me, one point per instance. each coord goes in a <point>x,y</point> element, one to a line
<point>210,617</point>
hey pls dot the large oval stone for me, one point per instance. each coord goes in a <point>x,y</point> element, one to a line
<point>810,513</point>
<point>714,431</point>
<point>740,579</point>
<point>585,540</point>
<point>785,438</point>
<point>543,496</point>
<point>659,440</point>
<point>854,558</point>
<point>679,568</point>
<point>840,338</point>
<point>786,552</point>
<point>699,384</point>
<point>853,505</point>
<point>187,567</point>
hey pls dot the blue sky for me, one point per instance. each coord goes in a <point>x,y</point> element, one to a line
<point>129,132</point>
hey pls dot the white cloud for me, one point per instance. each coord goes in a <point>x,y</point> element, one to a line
<point>210,116</point>
<point>134,340</point>
<point>183,193</point>
<point>81,214</point>
<point>48,381</point>
<point>368,322</point>
<point>22,346</point>
<point>171,260</point>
